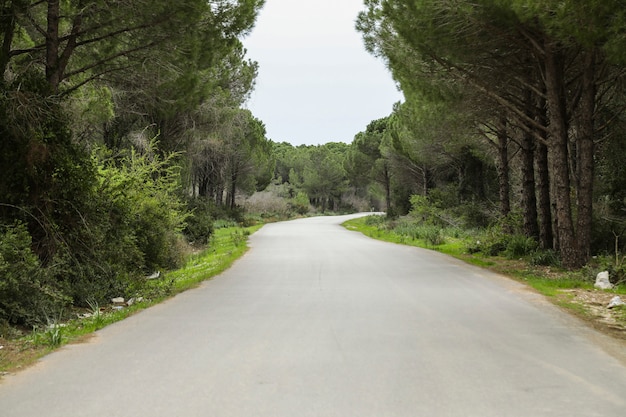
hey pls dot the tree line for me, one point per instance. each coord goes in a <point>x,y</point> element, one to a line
<point>534,89</point>
<point>119,122</point>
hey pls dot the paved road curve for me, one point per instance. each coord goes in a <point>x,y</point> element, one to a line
<point>319,321</point>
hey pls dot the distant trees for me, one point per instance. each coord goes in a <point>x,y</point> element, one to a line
<point>317,171</point>
<point>367,166</point>
<point>235,157</point>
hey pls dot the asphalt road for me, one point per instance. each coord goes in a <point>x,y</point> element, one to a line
<point>319,321</point>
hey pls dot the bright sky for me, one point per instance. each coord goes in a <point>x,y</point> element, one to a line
<point>316,82</point>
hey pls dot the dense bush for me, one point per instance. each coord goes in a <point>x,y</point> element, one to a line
<point>142,210</point>
<point>518,246</point>
<point>26,295</point>
<point>433,209</point>
<point>425,211</point>
<point>267,203</point>
<point>112,221</point>
<point>300,204</point>
<point>199,223</point>
<point>545,258</point>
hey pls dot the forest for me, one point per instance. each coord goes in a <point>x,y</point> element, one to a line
<point>125,138</point>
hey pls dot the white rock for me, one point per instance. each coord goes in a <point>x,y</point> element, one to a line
<point>602,281</point>
<point>130,302</point>
<point>156,275</point>
<point>616,302</point>
<point>118,300</point>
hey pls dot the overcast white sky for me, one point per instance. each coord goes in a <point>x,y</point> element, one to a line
<point>316,82</point>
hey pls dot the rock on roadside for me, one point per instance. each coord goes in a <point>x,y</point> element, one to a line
<point>602,281</point>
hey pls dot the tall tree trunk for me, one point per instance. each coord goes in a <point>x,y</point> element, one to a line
<point>585,145</point>
<point>542,180</point>
<point>503,169</point>
<point>529,196</point>
<point>387,185</point>
<point>52,44</point>
<point>57,61</point>
<point>233,189</point>
<point>544,205</point>
<point>7,22</point>
<point>558,153</point>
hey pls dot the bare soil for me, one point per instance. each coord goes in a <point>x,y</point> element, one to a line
<point>593,309</point>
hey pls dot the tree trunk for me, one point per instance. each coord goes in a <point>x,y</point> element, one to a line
<point>233,189</point>
<point>57,61</point>
<point>503,168</point>
<point>542,181</point>
<point>52,45</point>
<point>7,22</point>
<point>529,196</point>
<point>558,153</point>
<point>585,145</point>
<point>544,205</point>
<point>387,190</point>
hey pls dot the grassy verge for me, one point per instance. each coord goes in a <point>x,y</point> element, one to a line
<point>227,245</point>
<point>451,246</point>
<point>572,290</point>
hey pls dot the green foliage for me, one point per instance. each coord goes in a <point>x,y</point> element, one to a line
<point>375,220</point>
<point>239,238</point>
<point>434,236</point>
<point>313,172</point>
<point>519,246</point>
<point>93,221</point>
<point>199,223</point>
<point>51,337</point>
<point>424,211</point>
<point>26,293</point>
<point>545,258</point>
<point>300,203</point>
<point>224,224</point>
<point>492,242</point>
<point>139,192</point>
<point>110,231</point>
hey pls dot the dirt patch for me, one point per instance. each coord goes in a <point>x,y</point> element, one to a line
<point>17,354</point>
<point>592,306</point>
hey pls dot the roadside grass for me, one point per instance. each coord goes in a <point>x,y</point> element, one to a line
<point>550,281</point>
<point>228,244</point>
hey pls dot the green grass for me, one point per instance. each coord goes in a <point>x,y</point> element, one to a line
<point>227,245</point>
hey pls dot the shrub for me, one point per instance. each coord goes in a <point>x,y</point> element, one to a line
<point>267,203</point>
<point>199,223</point>
<point>492,242</point>
<point>545,258</point>
<point>424,211</point>
<point>519,246</point>
<point>434,236</point>
<point>474,215</point>
<point>375,220</point>
<point>141,191</point>
<point>26,296</point>
<point>300,203</point>
<point>130,224</point>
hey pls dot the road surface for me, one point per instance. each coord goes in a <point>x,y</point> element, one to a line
<point>319,321</point>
